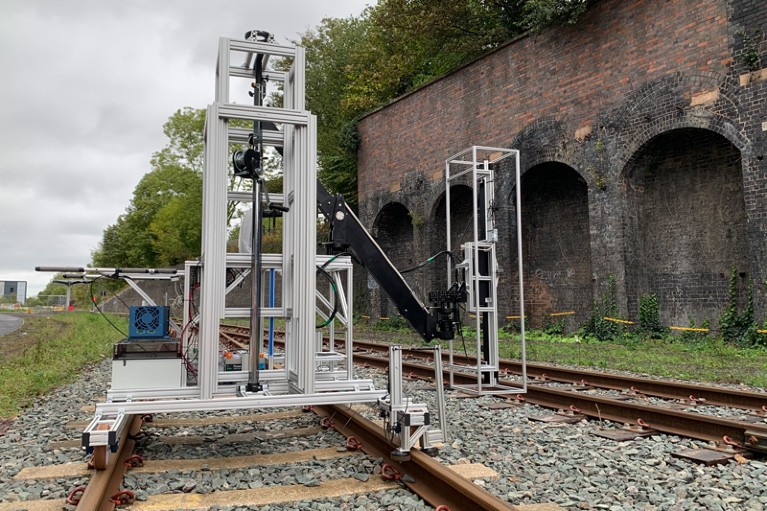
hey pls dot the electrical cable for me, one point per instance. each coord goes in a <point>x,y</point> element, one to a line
<point>95,304</point>
<point>429,260</point>
<point>321,269</point>
<point>336,256</point>
<point>460,329</point>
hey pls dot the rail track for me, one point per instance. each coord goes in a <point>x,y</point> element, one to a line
<point>642,405</point>
<point>329,435</point>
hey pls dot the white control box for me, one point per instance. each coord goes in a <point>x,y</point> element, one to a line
<point>151,373</point>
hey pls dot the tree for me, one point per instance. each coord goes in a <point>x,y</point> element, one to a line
<point>330,53</point>
<point>355,65</point>
<point>162,224</point>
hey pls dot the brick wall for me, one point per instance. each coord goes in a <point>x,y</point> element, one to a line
<point>599,99</point>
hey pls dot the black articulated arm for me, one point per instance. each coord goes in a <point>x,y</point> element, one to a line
<point>347,232</point>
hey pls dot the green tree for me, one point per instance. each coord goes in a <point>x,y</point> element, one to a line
<point>355,65</point>
<point>162,224</point>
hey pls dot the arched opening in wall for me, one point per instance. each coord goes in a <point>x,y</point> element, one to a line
<point>556,247</point>
<point>393,231</point>
<point>686,224</point>
<point>460,230</point>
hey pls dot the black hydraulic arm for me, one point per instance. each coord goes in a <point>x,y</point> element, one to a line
<point>348,232</point>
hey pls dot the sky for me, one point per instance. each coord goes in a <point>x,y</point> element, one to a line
<point>85,87</point>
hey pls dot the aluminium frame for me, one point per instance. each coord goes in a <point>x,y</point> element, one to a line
<point>307,374</point>
<point>475,165</point>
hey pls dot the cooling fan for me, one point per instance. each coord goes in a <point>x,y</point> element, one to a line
<point>148,321</point>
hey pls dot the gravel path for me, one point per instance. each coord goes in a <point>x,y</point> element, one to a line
<point>537,463</point>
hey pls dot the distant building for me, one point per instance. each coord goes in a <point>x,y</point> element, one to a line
<point>14,289</point>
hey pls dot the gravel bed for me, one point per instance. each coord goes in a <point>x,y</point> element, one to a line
<point>569,466</point>
<point>211,449</point>
<point>27,441</point>
<point>536,462</point>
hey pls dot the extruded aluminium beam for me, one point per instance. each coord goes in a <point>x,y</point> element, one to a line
<point>247,72</point>
<point>240,45</point>
<point>263,114</point>
<point>253,401</point>
<point>272,138</point>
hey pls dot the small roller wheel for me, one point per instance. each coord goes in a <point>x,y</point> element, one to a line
<point>399,455</point>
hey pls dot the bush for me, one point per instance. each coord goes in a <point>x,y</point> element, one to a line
<point>596,325</point>
<point>649,317</point>
<point>734,326</point>
<point>553,327</point>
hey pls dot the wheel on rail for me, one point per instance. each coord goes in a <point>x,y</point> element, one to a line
<point>100,457</point>
<point>400,455</point>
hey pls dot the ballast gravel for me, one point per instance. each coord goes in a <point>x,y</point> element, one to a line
<point>536,462</point>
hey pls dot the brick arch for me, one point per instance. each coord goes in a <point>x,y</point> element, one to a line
<point>460,209</point>
<point>556,251</point>
<point>685,220</point>
<point>393,231</point>
<point>544,139</point>
<point>392,226</point>
<point>664,105</point>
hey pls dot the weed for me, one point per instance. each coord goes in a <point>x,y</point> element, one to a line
<point>393,324</point>
<point>750,56</point>
<point>649,317</point>
<point>734,326</point>
<point>552,327</point>
<point>597,325</point>
<point>694,336</point>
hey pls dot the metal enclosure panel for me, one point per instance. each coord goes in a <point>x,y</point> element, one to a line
<point>155,374</point>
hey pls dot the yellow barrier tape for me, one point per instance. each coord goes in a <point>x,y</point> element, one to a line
<point>616,320</point>
<point>689,329</point>
<point>761,331</point>
<point>515,317</point>
<point>365,317</point>
<point>567,313</point>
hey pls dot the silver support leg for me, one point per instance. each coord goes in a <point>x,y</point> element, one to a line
<point>410,421</point>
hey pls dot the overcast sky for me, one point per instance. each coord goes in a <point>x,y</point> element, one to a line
<point>85,87</point>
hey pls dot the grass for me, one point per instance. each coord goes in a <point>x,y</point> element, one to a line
<point>48,352</point>
<point>710,361</point>
<point>703,360</point>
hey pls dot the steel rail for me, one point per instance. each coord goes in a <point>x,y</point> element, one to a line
<point>105,483</point>
<point>429,479</point>
<point>701,394</point>
<point>676,422</point>
<point>693,425</point>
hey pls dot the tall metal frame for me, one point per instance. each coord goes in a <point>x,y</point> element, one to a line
<point>306,373</point>
<point>475,166</point>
